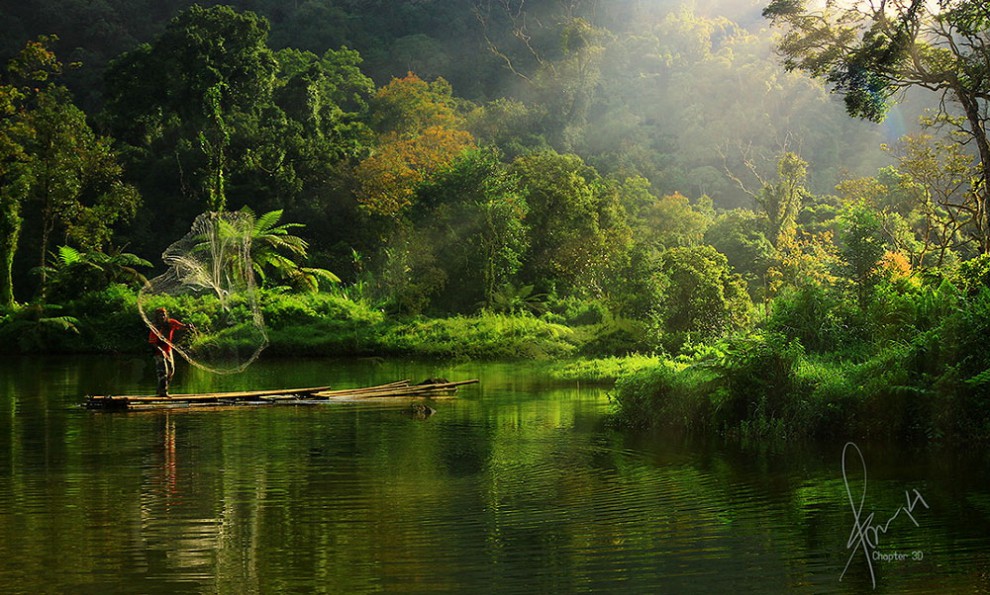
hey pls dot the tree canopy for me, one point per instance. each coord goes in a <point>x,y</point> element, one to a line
<point>868,52</point>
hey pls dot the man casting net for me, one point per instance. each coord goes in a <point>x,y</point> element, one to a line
<point>210,285</point>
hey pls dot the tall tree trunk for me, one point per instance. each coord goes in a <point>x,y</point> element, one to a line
<point>980,193</point>
<point>10,230</point>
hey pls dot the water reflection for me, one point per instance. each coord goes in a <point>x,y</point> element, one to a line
<point>513,487</point>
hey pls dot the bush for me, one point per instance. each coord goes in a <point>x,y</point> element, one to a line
<point>666,395</point>
<point>757,381</point>
<point>37,328</point>
<point>817,318</point>
<point>578,312</point>
<point>830,409</point>
<point>109,320</point>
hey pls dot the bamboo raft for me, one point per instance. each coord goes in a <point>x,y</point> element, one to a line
<point>391,392</point>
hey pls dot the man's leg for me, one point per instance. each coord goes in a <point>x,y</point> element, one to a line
<point>170,368</point>
<point>161,369</point>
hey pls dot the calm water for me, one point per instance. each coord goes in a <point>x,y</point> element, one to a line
<point>516,486</point>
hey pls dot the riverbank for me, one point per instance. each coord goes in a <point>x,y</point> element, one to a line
<point>765,386</point>
<point>311,324</point>
<point>933,385</point>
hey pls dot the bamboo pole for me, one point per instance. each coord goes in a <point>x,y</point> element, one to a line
<point>209,396</point>
<point>391,390</point>
<point>395,391</point>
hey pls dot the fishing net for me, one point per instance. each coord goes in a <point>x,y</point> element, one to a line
<point>210,286</point>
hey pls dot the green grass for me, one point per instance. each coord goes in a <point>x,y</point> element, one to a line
<point>485,336</point>
<point>329,324</point>
<point>606,370</point>
<point>769,390</point>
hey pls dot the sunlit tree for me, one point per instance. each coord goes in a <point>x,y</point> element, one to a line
<point>672,221</point>
<point>946,200</point>
<point>869,51</point>
<point>780,200</point>
<point>408,106</point>
<point>557,55</point>
<point>388,178</point>
<point>474,212</point>
<point>702,297</point>
<point>740,235</point>
<point>419,132</point>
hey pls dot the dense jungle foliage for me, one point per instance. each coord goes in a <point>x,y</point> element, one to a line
<point>476,179</point>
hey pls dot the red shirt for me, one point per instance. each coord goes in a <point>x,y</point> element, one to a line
<point>162,338</point>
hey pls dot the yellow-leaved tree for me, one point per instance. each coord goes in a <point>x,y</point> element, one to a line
<point>419,132</point>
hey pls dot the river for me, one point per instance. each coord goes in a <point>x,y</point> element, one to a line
<point>519,485</point>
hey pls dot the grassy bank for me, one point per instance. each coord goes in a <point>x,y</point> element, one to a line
<point>601,371</point>
<point>766,386</point>
<point>917,373</point>
<point>320,324</point>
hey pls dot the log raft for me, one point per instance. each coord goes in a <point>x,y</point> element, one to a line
<point>393,391</point>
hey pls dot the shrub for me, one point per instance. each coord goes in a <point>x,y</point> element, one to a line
<point>757,380</point>
<point>814,316</point>
<point>665,395</point>
<point>830,408</point>
<point>34,329</point>
<point>109,320</point>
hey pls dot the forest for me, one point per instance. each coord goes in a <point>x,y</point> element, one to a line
<point>750,231</point>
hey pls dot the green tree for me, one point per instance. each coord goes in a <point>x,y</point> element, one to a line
<point>740,235</point>
<point>475,212</point>
<point>202,51</point>
<point>702,297</point>
<point>672,221</point>
<point>579,234</point>
<point>63,178</point>
<point>869,51</point>
<point>180,96</point>
<point>946,203</point>
<point>862,245</point>
<point>34,67</point>
<point>782,199</point>
<point>295,156</point>
<point>329,95</point>
<point>508,124</point>
<point>557,56</point>
<point>74,178</point>
<point>11,158</point>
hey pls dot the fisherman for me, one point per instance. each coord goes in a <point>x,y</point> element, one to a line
<point>160,337</point>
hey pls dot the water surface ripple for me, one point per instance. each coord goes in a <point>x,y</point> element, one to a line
<point>517,486</point>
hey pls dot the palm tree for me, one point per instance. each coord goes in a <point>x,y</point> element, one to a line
<point>275,250</point>
<point>225,249</point>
